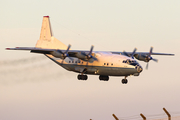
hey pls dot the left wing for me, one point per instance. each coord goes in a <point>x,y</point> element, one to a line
<point>143,53</point>
<point>143,56</point>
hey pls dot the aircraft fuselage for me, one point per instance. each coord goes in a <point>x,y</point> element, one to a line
<point>106,64</point>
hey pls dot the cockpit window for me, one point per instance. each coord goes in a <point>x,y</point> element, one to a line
<point>124,61</point>
<point>130,62</point>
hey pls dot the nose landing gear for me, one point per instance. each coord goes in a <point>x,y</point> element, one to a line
<point>124,81</point>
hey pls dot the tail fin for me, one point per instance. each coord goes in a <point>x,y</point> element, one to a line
<point>46,39</point>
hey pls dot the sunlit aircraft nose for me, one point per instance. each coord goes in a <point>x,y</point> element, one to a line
<point>139,68</point>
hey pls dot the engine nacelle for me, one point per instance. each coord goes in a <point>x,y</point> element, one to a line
<point>81,56</point>
<point>57,54</point>
<point>141,57</point>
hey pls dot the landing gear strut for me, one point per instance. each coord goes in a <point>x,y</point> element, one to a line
<point>82,77</point>
<point>104,78</point>
<point>124,81</point>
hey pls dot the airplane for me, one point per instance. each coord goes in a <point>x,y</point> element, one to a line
<point>102,63</point>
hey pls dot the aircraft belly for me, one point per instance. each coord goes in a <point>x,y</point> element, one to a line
<point>100,70</point>
<point>69,67</point>
<point>80,68</point>
<point>116,71</point>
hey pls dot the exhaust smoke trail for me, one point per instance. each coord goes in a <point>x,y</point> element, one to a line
<point>32,69</point>
<point>22,61</point>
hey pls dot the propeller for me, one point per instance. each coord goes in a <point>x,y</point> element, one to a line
<point>132,55</point>
<point>148,58</point>
<point>90,52</point>
<point>88,56</point>
<point>65,54</point>
<point>147,66</point>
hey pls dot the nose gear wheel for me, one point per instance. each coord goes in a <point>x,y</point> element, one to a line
<point>124,81</point>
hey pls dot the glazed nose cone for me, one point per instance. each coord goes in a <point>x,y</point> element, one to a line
<point>139,68</point>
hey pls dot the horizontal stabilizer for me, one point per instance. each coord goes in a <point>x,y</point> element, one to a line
<point>33,49</point>
<point>29,48</point>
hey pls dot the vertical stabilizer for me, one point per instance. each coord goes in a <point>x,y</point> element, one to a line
<point>46,32</point>
<point>46,39</point>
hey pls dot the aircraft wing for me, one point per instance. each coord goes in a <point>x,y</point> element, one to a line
<point>72,53</point>
<point>143,53</point>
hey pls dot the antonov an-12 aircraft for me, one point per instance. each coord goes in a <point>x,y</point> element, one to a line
<point>104,64</point>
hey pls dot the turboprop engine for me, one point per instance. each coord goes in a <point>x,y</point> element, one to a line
<point>82,56</point>
<point>142,57</point>
<point>145,58</point>
<point>60,54</point>
<point>85,56</point>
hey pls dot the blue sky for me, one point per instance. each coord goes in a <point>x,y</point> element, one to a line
<point>33,87</point>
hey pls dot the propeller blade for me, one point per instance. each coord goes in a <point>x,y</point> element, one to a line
<point>91,49</point>
<point>155,60</point>
<point>69,46</point>
<point>150,52</point>
<point>132,55</point>
<point>125,53</point>
<point>147,66</point>
<point>90,52</point>
<point>65,54</point>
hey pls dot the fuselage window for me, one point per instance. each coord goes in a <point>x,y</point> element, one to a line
<point>104,63</point>
<point>69,61</point>
<point>76,61</point>
<point>72,61</point>
<point>111,63</point>
<point>107,63</point>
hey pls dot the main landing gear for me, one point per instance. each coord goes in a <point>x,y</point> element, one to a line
<point>103,77</point>
<point>82,77</point>
<point>124,81</point>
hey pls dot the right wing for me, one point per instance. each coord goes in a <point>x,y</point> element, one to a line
<point>71,53</point>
